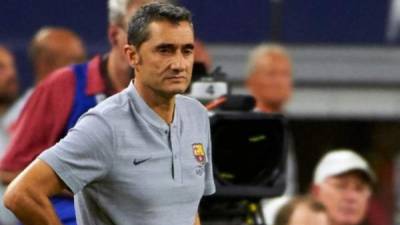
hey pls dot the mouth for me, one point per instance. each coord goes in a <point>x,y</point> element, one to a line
<point>176,78</point>
<point>348,210</point>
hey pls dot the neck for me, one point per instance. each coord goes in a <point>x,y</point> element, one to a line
<point>164,106</point>
<point>118,77</point>
<point>41,72</point>
<point>269,108</point>
<point>38,78</point>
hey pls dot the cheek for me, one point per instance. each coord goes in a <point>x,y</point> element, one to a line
<point>330,199</point>
<point>261,86</point>
<point>363,205</point>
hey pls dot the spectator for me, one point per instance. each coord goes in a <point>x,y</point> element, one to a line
<point>8,93</point>
<point>269,80</point>
<point>51,48</point>
<point>343,183</point>
<point>269,77</point>
<point>8,90</point>
<point>302,211</point>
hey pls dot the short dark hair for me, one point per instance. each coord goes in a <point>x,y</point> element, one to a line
<point>286,212</point>
<point>138,31</point>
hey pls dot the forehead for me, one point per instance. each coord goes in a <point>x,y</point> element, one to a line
<point>304,215</point>
<point>355,177</point>
<point>167,32</point>
<point>273,59</point>
<point>274,56</point>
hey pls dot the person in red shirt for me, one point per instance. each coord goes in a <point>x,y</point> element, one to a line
<point>44,117</point>
<point>51,48</point>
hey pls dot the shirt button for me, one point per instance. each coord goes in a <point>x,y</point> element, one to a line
<point>175,156</point>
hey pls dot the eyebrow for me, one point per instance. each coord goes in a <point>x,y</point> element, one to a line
<point>167,45</point>
<point>190,46</point>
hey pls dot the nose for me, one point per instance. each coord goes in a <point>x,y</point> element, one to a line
<point>178,64</point>
<point>352,195</point>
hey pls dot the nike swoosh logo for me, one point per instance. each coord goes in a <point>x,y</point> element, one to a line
<point>137,162</point>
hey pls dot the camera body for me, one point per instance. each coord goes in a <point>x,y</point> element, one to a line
<point>249,152</point>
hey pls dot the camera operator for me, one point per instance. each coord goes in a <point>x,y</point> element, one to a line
<point>269,81</point>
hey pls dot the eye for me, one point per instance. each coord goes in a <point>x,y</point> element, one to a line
<point>187,51</point>
<point>362,187</point>
<point>165,49</point>
<point>340,186</point>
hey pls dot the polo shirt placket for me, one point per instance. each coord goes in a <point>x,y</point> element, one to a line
<point>170,133</point>
<point>175,149</point>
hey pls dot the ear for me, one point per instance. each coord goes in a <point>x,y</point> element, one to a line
<point>132,55</point>
<point>113,32</point>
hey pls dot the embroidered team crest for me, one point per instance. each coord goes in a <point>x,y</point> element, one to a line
<point>199,153</point>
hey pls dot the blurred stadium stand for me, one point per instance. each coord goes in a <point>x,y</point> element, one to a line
<point>330,42</point>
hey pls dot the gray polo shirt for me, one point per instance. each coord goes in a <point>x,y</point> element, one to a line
<point>125,165</point>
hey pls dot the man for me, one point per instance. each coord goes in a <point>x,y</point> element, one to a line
<point>269,77</point>
<point>8,89</point>
<point>302,211</point>
<point>143,156</point>
<point>343,184</point>
<point>8,93</point>
<point>269,81</point>
<point>51,48</point>
<point>58,102</point>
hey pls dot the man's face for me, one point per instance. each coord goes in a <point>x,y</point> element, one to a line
<point>271,81</point>
<point>345,197</point>
<point>303,215</point>
<point>163,64</point>
<point>8,77</point>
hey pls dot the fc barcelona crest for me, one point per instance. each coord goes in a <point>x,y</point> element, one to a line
<point>199,153</point>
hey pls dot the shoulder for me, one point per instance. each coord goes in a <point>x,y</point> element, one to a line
<point>60,77</point>
<point>112,106</point>
<point>185,101</point>
<point>191,107</point>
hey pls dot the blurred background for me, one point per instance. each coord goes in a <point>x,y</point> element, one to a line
<point>346,59</point>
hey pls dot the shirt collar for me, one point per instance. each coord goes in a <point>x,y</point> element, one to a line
<point>147,113</point>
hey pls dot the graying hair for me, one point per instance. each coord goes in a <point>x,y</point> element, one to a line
<point>117,9</point>
<point>138,31</point>
<point>262,50</point>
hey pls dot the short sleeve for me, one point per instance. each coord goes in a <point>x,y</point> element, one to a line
<point>209,175</point>
<point>85,154</point>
